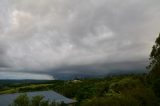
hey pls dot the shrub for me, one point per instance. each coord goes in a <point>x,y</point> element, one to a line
<point>23,100</point>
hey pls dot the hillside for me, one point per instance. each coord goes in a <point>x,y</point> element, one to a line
<point>121,90</point>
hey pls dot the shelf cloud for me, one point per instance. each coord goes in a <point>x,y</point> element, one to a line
<point>56,37</point>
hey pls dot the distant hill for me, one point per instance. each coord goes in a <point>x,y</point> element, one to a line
<point>24,81</point>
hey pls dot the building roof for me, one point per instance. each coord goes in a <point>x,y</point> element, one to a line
<point>7,99</point>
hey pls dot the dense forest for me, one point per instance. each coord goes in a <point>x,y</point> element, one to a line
<point>122,90</point>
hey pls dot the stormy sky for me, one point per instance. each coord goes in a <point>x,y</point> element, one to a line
<point>50,39</point>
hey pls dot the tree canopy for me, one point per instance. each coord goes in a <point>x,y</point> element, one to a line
<point>155,60</point>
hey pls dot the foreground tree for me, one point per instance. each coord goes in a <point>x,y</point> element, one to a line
<point>21,100</point>
<point>154,74</point>
<point>155,60</point>
<point>24,100</point>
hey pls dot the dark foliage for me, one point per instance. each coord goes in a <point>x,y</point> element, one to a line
<point>24,100</point>
<point>155,60</point>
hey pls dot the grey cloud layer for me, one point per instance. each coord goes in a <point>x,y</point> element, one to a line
<point>50,34</point>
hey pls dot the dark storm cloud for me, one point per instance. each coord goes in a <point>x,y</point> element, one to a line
<point>94,35</point>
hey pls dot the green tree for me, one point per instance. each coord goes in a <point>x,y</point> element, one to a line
<point>154,74</point>
<point>21,100</point>
<point>154,65</point>
<point>156,87</point>
<point>24,100</point>
<point>37,100</point>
